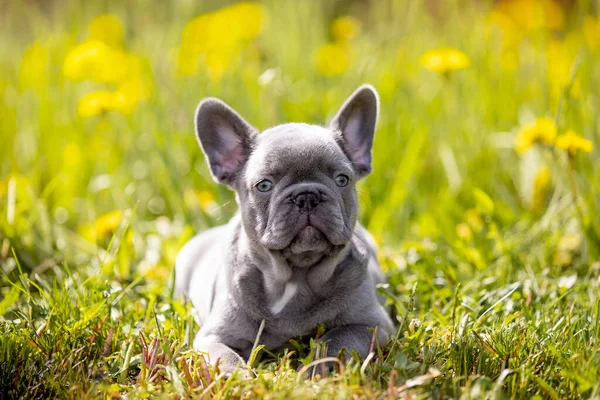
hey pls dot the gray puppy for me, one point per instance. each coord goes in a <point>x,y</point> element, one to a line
<point>294,256</point>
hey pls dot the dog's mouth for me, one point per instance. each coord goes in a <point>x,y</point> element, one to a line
<point>309,239</point>
<point>308,247</point>
<point>306,239</point>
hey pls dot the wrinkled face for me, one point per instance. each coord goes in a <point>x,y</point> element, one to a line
<point>297,193</point>
<point>295,183</point>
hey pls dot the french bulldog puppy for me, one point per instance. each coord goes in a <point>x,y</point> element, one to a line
<point>294,255</point>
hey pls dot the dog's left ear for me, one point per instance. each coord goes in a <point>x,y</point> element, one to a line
<point>356,122</point>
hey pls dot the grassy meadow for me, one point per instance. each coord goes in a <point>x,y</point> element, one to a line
<point>485,195</point>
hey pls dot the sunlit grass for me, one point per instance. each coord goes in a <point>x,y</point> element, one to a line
<point>485,196</point>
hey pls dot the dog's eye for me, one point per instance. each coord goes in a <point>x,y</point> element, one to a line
<point>264,186</point>
<point>342,180</point>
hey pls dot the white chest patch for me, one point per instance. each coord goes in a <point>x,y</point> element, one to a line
<point>288,293</point>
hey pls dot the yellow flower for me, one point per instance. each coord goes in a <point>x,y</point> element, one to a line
<point>245,19</point>
<point>97,61</point>
<point>124,99</point>
<point>195,37</point>
<point>103,226</point>
<point>206,199</point>
<point>541,184</point>
<point>542,130</point>
<point>332,59</point>
<point>219,36</point>
<point>106,28</point>
<point>95,103</point>
<point>33,72</point>
<point>572,142</point>
<point>445,59</point>
<point>345,28</point>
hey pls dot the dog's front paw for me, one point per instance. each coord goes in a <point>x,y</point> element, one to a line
<point>221,356</point>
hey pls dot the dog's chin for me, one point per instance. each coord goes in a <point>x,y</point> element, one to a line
<point>309,247</point>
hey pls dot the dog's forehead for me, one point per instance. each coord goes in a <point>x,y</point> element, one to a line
<point>296,145</point>
<point>296,136</point>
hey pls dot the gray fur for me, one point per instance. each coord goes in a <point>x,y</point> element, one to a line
<point>294,256</point>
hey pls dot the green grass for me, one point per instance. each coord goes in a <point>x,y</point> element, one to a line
<point>495,279</point>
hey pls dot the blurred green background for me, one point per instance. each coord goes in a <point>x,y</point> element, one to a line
<point>485,159</point>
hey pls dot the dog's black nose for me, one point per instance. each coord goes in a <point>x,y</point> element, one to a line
<point>307,201</point>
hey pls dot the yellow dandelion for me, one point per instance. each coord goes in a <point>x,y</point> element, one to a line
<point>96,61</point>
<point>345,28</point>
<point>104,226</point>
<point>33,72</point>
<point>542,130</point>
<point>444,60</point>
<point>572,142</point>
<point>206,199</point>
<point>106,28</point>
<point>246,18</point>
<point>124,100</point>
<point>195,36</point>
<point>223,30</point>
<point>332,59</point>
<point>96,103</point>
<point>108,223</point>
<point>541,183</point>
<point>80,59</point>
<point>219,36</point>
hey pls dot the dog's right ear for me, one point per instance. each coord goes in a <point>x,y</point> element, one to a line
<point>226,139</point>
<point>356,122</point>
